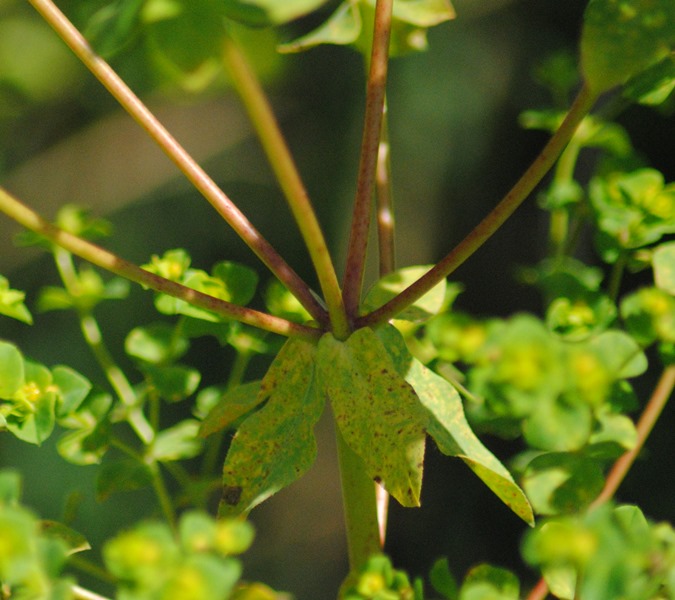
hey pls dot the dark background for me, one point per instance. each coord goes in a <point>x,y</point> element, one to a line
<point>457,148</point>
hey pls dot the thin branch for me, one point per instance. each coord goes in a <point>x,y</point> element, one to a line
<point>375,95</point>
<point>493,221</point>
<point>113,263</point>
<point>262,117</point>
<point>651,413</point>
<point>180,157</point>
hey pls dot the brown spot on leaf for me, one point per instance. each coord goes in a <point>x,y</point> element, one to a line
<point>232,494</point>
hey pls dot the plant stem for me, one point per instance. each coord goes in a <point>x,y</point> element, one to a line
<point>162,494</point>
<point>651,413</point>
<point>655,405</point>
<point>80,593</point>
<point>375,96</point>
<point>386,224</point>
<point>178,155</point>
<point>115,264</point>
<point>358,496</point>
<point>262,117</point>
<point>493,221</point>
<point>94,339</point>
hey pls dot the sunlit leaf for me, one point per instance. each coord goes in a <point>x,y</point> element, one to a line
<point>11,303</point>
<point>392,284</point>
<point>378,413</point>
<point>73,389</point>
<point>447,425</point>
<point>275,445</point>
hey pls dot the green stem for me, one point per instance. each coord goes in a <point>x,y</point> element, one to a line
<point>615,276</point>
<point>162,494</point>
<point>564,172</point>
<point>92,569</point>
<point>178,155</point>
<point>375,97</point>
<point>94,339</point>
<point>493,221</point>
<point>113,263</point>
<point>358,496</point>
<point>262,117</point>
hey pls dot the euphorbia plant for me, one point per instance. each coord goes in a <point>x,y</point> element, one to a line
<point>389,363</point>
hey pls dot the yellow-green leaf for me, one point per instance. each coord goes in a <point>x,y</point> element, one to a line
<point>275,445</point>
<point>378,413</point>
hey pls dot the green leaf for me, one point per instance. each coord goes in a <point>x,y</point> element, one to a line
<point>442,580</point>
<point>121,476</point>
<point>663,261</point>
<point>239,281</point>
<point>378,413</point>
<point>157,343</point>
<point>73,389</point>
<point>342,28</point>
<point>114,26</point>
<point>275,445</point>
<point>17,544</point>
<point>562,483</point>
<point>621,38</point>
<point>352,24</point>
<point>10,487</point>
<point>486,582</point>
<point>177,442</point>
<point>447,425</point>
<point>11,370</point>
<point>623,356</point>
<point>655,85</point>
<point>32,417</point>
<point>89,442</point>
<point>231,406</point>
<point>280,302</point>
<point>173,383</point>
<point>260,13</point>
<point>558,425</point>
<point>74,541</point>
<point>11,303</point>
<point>394,283</point>
<point>202,577</point>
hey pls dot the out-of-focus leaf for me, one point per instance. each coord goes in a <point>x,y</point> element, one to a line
<point>394,283</point>
<point>73,389</point>
<point>121,476</point>
<point>620,39</point>
<point>11,370</point>
<point>11,303</point>
<point>559,483</point>
<point>230,406</point>
<point>486,582</point>
<point>259,13</point>
<point>74,540</point>
<point>173,383</point>
<point>664,267</point>
<point>177,442</point>
<point>655,85</point>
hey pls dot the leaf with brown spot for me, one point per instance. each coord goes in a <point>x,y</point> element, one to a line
<point>378,413</point>
<point>446,423</point>
<point>275,445</point>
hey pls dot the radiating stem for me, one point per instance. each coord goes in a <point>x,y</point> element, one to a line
<point>178,155</point>
<point>262,117</point>
<point>113,263</point>
<point>493,221</point>
<point>375,95</point>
